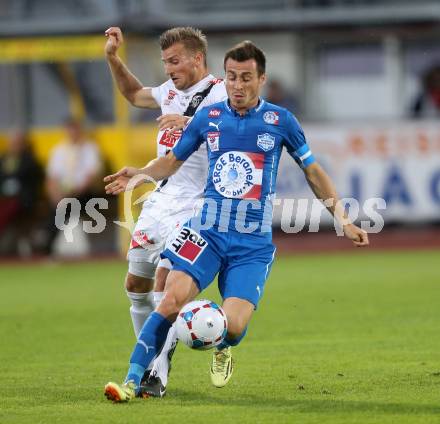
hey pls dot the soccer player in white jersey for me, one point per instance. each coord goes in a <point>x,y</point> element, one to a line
<point>190,87</point>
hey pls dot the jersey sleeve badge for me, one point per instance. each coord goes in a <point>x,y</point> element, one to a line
<point>271,117</point>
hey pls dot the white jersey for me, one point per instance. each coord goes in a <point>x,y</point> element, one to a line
<point>188,183</point>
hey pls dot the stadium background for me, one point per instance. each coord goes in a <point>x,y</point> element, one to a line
<point>352,71</point>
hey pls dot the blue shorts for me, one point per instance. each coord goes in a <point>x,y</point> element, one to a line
<point>243,261</point>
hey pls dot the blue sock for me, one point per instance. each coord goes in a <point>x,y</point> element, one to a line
<point>150,341</point>
<point>227,341</point>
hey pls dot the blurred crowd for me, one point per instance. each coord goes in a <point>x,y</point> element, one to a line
<point>427,102</point>
<point>29,194</point>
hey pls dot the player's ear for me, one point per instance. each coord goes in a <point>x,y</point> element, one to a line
<point>199,58</point>
<point>262,78</point>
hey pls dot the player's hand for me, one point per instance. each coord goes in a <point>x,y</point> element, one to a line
<point>358,236</point>
<point>114,40</point>
<point>119,182</point>
<point>172,122</point>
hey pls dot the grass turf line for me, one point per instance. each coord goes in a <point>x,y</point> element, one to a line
<point>349,338</point>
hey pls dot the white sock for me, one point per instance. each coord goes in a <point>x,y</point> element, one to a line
<point>161,364</point>
<point>157,297</point>
<point>142,305</point>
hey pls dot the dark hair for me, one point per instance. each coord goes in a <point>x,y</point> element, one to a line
<point>244,51</point>
<point>193,39</point>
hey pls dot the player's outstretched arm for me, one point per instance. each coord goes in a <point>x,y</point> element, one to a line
<point>130,87</point>
<point>129,178</point>
<point>324,189</point>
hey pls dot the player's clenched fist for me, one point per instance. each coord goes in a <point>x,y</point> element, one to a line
<point>358,236</point>
<point>114,40</point>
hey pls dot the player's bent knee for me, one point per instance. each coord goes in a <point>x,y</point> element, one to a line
<point>136,284</point>
<point>160,279</point>
<point>236,328</point>
<point>141,263</point>
<point>170,306</point>
<point>180,289</point>
<point>239,313</point>
<point>142,269</point>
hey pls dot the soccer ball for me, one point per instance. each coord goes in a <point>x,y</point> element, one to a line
<point>201,324</point>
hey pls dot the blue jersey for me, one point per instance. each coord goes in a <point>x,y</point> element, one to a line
<point>243,153</point>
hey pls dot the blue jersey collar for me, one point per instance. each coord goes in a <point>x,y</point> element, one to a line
<point>251,111</point>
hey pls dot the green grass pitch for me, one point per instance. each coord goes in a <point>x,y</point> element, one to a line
<point>348,338</point>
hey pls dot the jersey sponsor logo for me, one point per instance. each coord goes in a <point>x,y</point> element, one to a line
<point>140,239</point>
<point>216,80</point>
<point>266,142</point>
<point>214,113</point>
<point>188,245</point>
<point>216,126</point>
<point>170,97</point>
<point>239,175</point>
<point>213,140</point>
<point>271,117</point>
<point>170,138</point>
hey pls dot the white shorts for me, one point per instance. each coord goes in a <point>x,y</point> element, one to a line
<point>161,216</point>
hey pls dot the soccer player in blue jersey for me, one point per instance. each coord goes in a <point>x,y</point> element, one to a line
<point>232,235</point>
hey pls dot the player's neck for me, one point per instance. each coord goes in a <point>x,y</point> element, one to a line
<point>201,76</point>
<point>193,79</point>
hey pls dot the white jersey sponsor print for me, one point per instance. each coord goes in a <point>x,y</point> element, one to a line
<point>189,181</point>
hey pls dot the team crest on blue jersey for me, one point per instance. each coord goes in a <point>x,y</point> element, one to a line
<point>271,117</point>
<point>213,139</point>
<point>266,142</point>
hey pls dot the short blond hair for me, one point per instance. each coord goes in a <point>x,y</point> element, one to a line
<point>192,38</point>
